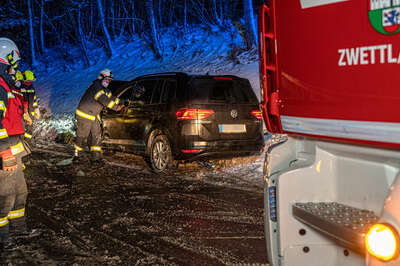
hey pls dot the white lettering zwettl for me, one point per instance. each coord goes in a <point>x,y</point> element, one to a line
<point>352,56</point>
<point>342,53</point>
<point>368,55</point>
<point>390,58</point>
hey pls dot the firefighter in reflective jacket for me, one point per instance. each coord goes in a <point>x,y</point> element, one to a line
<point>31,103</point>
<point>96,97</point>
<point>13,189</point>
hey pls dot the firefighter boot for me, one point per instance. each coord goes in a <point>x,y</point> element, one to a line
<point>97,157</point>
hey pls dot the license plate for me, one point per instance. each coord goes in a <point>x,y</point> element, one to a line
<point>237,128</point>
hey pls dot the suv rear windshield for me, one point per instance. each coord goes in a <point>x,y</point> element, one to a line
<point>208,90</point>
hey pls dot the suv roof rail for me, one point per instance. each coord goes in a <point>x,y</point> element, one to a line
<point>164,74</point>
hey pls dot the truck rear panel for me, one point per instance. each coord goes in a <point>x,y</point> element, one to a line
<point>332,68</point>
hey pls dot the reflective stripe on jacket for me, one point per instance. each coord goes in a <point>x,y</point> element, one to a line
<point>4,140</point>
<point>95,98</point>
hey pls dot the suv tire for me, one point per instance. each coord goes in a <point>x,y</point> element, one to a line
<point>160,157</point>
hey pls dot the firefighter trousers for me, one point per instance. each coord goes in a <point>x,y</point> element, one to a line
<point>88,131</point>
<point>13,195</point>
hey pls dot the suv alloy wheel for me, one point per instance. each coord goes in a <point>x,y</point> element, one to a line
<point>160,154</point>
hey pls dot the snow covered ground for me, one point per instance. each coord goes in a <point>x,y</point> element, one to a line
<point>62,81</point>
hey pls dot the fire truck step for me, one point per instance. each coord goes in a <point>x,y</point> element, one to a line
<point>344,224</point>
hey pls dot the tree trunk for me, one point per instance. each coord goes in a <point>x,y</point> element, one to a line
<point>103,24</point>
<point>221,12</point>
<point>153,30</point>
<point>42,46</point>
<point>250,23</point>
<point>91,20</point>
<point>215,11</point>
<point>133,18</point>
<point>185,17</point>
<point>82,40</point>
<point>31,34</point>
<point>112,18</point>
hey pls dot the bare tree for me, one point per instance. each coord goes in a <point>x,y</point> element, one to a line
<point>31,34</point>
<point>42,45</point>
<point>112,18</point>
<point>77,27</point>
<point>215,11</point>
<point>133,17</point>
<point>250,23</point>
<point>185,16</point>
<point>153,30</point>
<point>103,24</point>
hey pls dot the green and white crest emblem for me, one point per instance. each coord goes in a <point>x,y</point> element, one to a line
<point>384,15</point>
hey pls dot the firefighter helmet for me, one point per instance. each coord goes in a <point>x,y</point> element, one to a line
<point>9,53</point>
<point>105,74</point>
<point>29,76</point>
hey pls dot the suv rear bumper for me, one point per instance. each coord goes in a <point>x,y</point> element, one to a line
<point>220,149</point>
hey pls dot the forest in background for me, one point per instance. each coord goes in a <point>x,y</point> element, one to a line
<point>40,25</point>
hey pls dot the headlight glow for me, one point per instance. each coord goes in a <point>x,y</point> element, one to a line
<point>382,242</point>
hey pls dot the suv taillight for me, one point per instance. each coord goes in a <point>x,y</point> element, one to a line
<point>192,114</point>
<point>257,114</point>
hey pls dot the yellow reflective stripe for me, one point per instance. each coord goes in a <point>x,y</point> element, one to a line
<point>16,214</point>
<point>3,107</point>
<point>3,133</point>
<point>109,94</point>
<point>117,101</point>
<point>3,221</point>
<point>17,148</point>
<point>85,115</point>
<point>77,147</point>
<point>28,136</point>
<point>34,97</point>
<point>10,95</point>
<point>98,117</point>
<point>32,113</point>
<point>111,104</point>
<point>98,94</point>
<point>35,104</point>
<point>95,148</point>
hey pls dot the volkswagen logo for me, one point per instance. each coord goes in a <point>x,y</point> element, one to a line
<point>234,113</point>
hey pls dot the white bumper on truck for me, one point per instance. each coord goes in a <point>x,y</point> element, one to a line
<point>322,197</point>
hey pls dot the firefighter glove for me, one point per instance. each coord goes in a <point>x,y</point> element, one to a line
<point>37,114</point>
<point>28,119</point>
<point>9,161</point>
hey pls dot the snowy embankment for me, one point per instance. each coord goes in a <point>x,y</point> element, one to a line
<point>62,80</point>
<point>60,87</point>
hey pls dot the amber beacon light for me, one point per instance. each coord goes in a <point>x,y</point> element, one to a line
<point>382,242</point>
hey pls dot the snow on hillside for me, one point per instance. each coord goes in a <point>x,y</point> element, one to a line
<point>60,87</point>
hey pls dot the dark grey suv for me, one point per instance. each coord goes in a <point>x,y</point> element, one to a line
<point>184,117</point>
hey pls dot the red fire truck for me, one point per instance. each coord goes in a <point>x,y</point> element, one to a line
<point>330,89</point>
